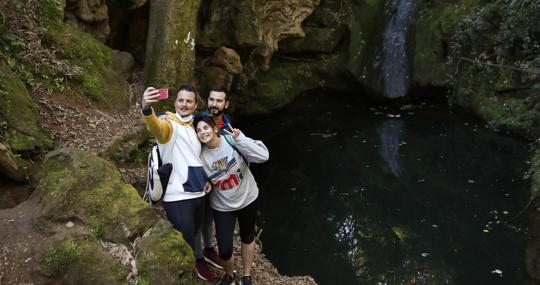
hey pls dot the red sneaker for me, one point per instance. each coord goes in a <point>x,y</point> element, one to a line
<point>203,271</point>
<point>210,255</point>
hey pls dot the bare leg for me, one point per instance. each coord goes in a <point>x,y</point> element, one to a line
<point>228,266</point>
<point>248,254</point>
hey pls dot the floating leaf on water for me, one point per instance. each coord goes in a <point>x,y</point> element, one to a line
<point>425,254</point>
<point>497,271</point>
<point>485,230</point>
<point>470,181</point>
<point>400,232</point>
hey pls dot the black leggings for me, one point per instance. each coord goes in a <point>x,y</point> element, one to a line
<point>186,216</point>
<point>225,222</point>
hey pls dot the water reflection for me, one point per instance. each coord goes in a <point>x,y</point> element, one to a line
<point>390,136</point>
<point>329,210</point>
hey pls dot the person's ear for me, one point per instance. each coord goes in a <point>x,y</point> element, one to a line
<point>226,104</point>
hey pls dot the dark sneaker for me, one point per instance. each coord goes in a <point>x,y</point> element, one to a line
<point>246,280</point>
<point>226,280</point>
<point>203,271</point>
<point>210,255</point>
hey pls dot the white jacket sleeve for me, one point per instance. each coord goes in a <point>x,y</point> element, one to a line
<point>254,151</point>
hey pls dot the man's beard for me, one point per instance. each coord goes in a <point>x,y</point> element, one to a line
<point>215,111</point>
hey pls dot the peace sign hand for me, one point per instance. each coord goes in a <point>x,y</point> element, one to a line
<point>233,132</point>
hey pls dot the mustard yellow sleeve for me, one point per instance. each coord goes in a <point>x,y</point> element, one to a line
<point>161,129</point>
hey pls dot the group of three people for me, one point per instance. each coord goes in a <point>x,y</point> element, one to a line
<point>214,175</point>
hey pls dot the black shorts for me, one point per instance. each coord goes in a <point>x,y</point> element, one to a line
<point>225,222</point>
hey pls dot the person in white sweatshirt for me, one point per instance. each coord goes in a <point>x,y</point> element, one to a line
<point>235,191</point>
<point>184,198</point>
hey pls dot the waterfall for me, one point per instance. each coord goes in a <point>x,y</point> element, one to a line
<point>396,61</point>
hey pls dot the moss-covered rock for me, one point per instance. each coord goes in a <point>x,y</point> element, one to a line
<point>81,260</point>
<point>97,76</point>
<point>366,23</point>
<point>277,87</point>
<point>19,115</point>
<point>434,26</point>
<point>130,149</point>
<point>489,93</point>
<point>164,257</point>
<point>76,185</point>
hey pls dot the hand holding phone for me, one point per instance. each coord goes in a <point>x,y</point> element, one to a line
<point>163,93</point>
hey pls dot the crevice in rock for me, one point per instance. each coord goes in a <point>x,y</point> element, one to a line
<point>12,193</point>
<point>129,29</point>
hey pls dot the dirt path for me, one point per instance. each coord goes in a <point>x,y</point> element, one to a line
<point>75,121</point>
<point>21,243</point>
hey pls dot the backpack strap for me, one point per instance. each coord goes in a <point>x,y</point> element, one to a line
<point>231,142</point>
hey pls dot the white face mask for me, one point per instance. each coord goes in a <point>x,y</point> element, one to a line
<point>185,119</point>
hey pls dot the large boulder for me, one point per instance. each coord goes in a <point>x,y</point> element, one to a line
<point>80,260</point>
<point>99,229</point>
<point>227,59</point>
<point>164,257</point>
<point>79,186</point>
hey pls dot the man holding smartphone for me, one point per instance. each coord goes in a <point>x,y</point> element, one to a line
<point>184,201</point>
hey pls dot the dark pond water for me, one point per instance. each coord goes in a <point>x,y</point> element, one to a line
<point>360,194</point>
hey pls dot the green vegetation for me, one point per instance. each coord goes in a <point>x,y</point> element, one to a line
<point>79,184</point>
<point>82,260</point>
<point>165,258</point>
<point>486,52</point>
<point>278,86</point>
<point>19,116</point>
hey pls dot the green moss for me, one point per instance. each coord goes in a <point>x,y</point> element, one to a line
<point>97,76</point>
<point>476,90</point>
<point>366,24</point>
<point>21,129</point>
<point>81,260</point>
<point>278,86</point>
<point>164,257</point>
<point>81,185</point>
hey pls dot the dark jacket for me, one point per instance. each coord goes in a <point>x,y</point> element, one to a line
<point>226,120</point>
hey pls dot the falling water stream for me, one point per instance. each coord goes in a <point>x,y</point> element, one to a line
<point>396,60</point>
<point>362,194</point>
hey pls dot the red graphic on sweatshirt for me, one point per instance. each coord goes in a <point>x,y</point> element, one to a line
<point>228,183</point>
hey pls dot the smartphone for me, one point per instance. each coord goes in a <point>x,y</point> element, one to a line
<point>163,93</point>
